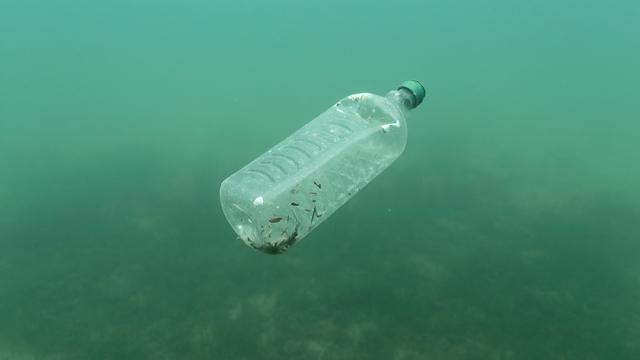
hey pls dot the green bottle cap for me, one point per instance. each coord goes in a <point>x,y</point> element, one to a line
<point>416,89</point>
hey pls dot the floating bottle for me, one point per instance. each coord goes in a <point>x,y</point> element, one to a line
<point>280,197</point>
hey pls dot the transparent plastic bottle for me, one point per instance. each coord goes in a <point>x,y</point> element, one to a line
<point>281,196</point>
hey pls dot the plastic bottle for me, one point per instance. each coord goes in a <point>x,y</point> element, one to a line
<point>281,196</point>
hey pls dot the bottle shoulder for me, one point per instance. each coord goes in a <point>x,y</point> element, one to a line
<point>372,108</point>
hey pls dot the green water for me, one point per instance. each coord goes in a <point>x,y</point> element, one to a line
<point>507,230</point>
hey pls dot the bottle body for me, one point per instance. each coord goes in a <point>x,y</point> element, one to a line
<point>281,196</point>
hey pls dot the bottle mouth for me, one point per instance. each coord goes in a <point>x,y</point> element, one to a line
<point>416,90</point>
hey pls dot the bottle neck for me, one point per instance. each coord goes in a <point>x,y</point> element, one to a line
<point>403,98</point>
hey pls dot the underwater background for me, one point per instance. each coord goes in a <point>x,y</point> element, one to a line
<point>507,230</point>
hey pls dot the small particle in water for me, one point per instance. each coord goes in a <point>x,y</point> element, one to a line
<point>258,201</point>
<point>295,204</point>
<point>317,184</point>
<point>275,220</point>
<point>314,214</point>
<point>313,193</point>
